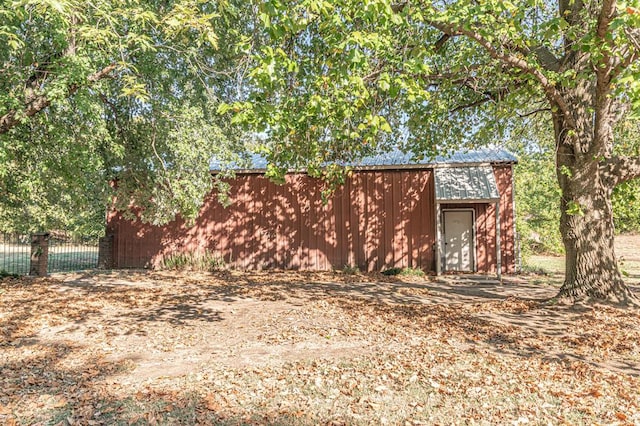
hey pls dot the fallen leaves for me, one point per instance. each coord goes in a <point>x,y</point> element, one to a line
<point>211,402</point>
<point>311,348</point>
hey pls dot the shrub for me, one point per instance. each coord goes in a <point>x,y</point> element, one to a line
<point>412,272</point>
<point>534,270</point>
<point>6,274</point>
<point>392,271</point>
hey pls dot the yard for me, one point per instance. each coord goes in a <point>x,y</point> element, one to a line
<point>311,348</point>
<point>627,251</point>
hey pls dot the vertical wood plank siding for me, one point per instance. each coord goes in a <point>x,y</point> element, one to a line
<point>379,219</point>
<point>504,181</point>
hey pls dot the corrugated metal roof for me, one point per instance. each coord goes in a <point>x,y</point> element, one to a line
<point>467,183</point>
<point>395,158</point>
<point>399,158</point>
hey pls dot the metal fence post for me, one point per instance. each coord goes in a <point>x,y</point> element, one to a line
<point>39,254</point>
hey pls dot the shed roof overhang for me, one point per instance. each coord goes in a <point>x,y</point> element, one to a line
<point>468,184</point>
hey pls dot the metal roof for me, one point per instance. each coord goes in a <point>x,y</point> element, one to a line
<point>393,159</point>
<point>470,183</point>
<point>399,158</point>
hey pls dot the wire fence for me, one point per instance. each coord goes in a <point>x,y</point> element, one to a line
<point>67,253</point>
<point>15,251</point>
<point>70,253</point>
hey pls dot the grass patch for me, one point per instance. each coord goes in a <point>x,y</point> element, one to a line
<point>16,259</point>
<point>203,261</point>
<point>404,272</point>
<point>351,270</point>
<point>552,267</point>
<point>544,265</point>
<point>67,259</point>
<point>535,270</point>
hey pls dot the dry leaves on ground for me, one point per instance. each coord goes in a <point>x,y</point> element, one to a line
<point>308,348</point>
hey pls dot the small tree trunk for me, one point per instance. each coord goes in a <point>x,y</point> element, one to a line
<point>587,229</point>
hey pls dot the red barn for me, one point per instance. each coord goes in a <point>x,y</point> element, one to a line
<point>444,215</point>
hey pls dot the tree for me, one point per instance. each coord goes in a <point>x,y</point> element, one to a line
<point>91,92</point>
<point>626,196</point>
<point>340,77</point>
<point>538,194</point>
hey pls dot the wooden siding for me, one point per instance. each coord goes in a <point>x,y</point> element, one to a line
<point>378,219</point>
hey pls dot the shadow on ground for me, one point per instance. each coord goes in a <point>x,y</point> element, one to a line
<point>508,317</point>
<point>504,319</point>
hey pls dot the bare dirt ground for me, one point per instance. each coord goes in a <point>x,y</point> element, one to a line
<point>628,252</point>
<point>136,347</point>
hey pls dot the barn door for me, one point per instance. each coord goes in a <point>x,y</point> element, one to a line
<point>458,240</point>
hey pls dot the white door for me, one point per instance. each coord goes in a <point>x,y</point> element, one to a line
<point>458,240</point>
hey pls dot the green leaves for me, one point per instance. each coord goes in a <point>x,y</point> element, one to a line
<point>314,87</point>
<point>437,75</point>
<point>574,208</point>
<point>150,121</point>
<point>337,85</point>
<point>318,81</point>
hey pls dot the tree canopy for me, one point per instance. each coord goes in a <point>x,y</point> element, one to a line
<point>338,76</point>
<point>94,91</point>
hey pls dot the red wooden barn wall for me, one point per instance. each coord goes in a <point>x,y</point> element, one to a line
<point>378,219</point>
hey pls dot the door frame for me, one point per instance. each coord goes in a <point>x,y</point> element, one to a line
<point>472,249</point>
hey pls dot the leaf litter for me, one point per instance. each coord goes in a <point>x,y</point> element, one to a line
<point>309,348</point>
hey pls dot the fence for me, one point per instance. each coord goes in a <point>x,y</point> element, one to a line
<point>40,254</point>
<point>15,250</point>
<point>67,253</point>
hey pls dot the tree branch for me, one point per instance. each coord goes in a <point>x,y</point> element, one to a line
<point>471,104</point>
<point>631,55</point>
<point>550,90</point>
<point>607,12</point>
<point>546,58</point>
<point>570,10</point>
<point>38,103</point>
<point>441,42</point>
<point>603,103</point>
<point>621,169</point>
<point>399,7</point>
<point>534,112</point>
<point>488,96</point>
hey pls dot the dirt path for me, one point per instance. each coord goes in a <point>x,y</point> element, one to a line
<point>170,326</point>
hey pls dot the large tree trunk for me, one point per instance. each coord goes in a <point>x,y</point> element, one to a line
<point>586,225</point>
<point>587,229</point>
